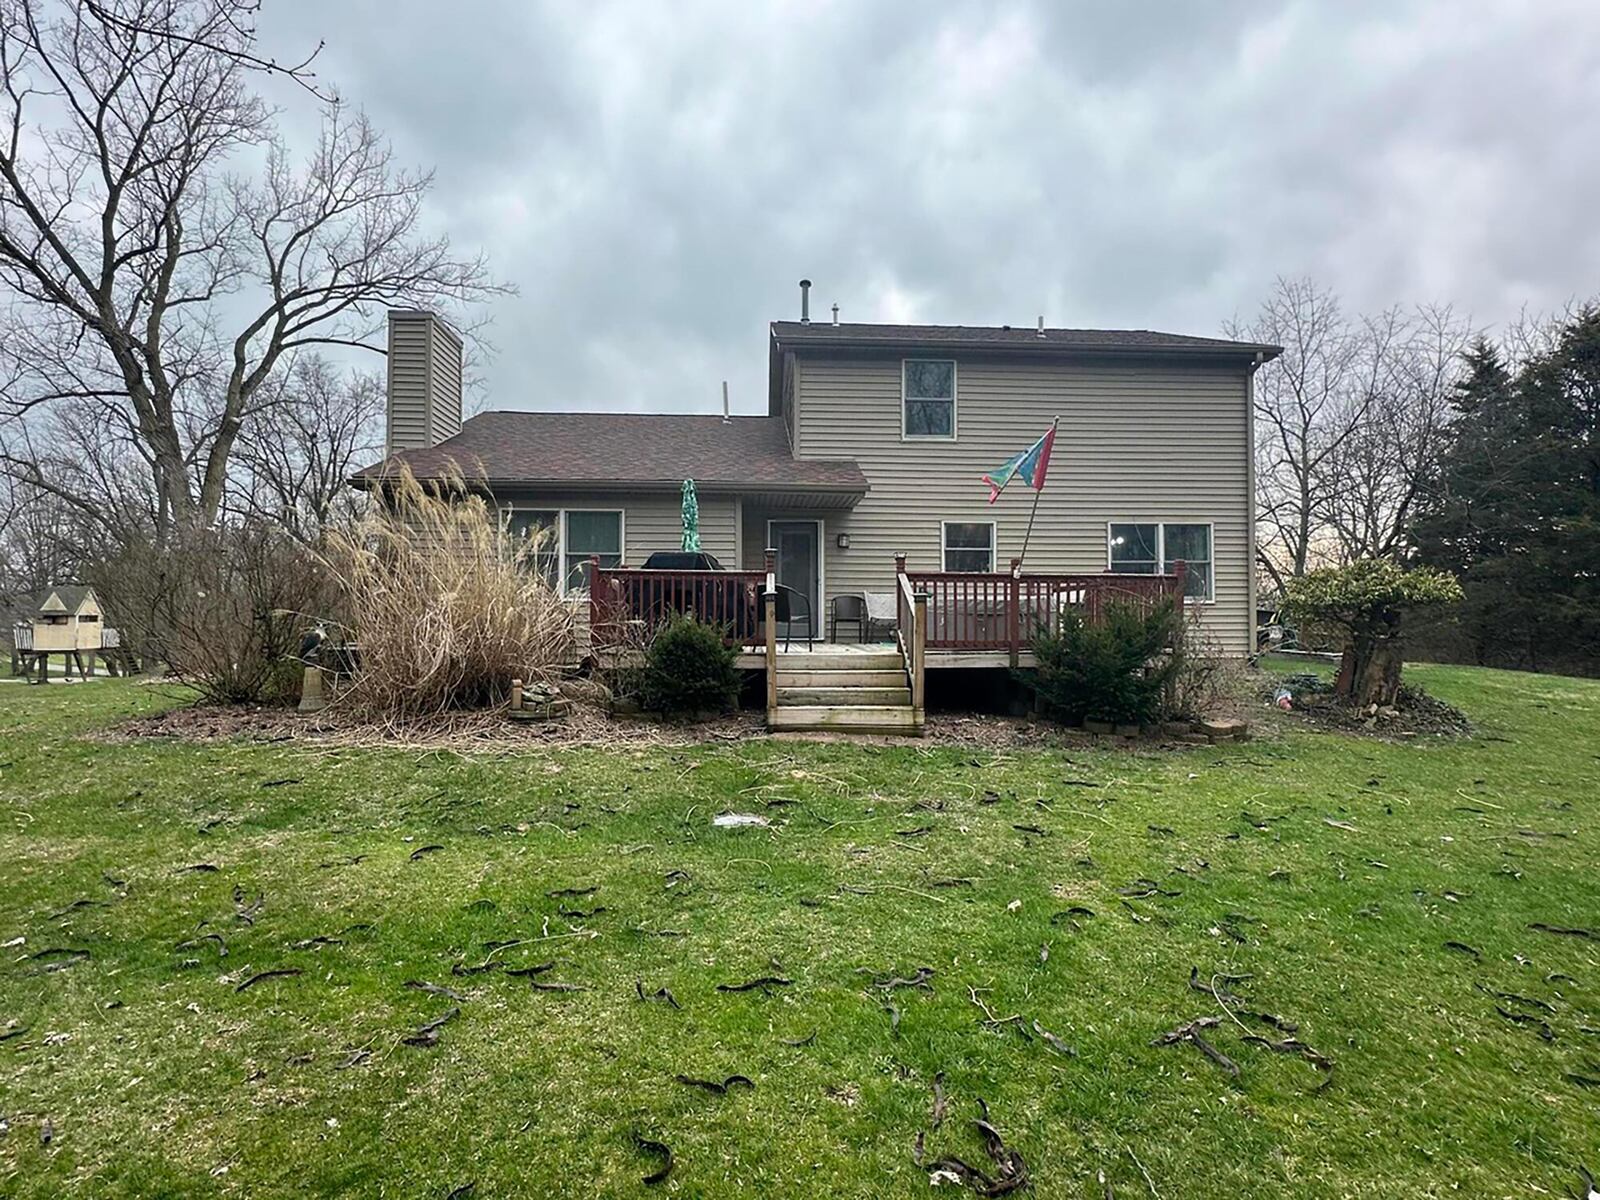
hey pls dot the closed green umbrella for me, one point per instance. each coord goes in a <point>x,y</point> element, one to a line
<point>691,518</point>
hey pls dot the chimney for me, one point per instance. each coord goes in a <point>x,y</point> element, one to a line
<point>835,314</point>
<point>424,402</point>
<point>805,302</point>
<point>726,417</point>
<point>1041,328</point>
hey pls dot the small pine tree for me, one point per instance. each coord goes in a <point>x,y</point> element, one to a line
<point>689,667</point>
<point>1115,669</point>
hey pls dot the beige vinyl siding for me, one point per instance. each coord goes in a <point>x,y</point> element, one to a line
<point>424,381</point>
<point>1138,441</point>
<point>444,409</point>
<point>408,385</point>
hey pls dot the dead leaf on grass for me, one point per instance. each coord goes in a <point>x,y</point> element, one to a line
<point>651,1146</point>
<point>763,982</point>
<point>277,973</point>
<point>428,1035</point>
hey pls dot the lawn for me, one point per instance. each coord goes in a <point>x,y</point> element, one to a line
<point>1377,894</point>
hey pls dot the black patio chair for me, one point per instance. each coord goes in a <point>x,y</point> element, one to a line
<point>850,609</point>
<point>789,602</point>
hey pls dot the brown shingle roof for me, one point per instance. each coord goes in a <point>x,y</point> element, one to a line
<point>1019,337</point>
<point>629,449</point>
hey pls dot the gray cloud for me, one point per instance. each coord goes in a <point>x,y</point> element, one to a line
<point>654,178</point>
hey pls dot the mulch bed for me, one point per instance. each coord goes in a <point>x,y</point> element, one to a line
<point>492,730</point>
<point>1415,713</point>
<point>588,725</point>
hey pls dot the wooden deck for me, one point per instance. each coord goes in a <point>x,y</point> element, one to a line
<point>943,621</point>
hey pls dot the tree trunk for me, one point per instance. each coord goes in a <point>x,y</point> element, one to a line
<point>1369,672</point>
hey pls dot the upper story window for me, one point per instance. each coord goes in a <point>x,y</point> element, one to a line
<point>928,398</point>
<point>1149,548</point>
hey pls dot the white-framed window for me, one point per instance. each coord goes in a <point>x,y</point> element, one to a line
<point>566,537</point>
<point>967,546</point>
<point>928,398</point>
<point>588,532</point>
<point>543,528</point>
<point>1153,547</point>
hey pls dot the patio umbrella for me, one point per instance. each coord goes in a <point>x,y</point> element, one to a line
<point>691,518</point>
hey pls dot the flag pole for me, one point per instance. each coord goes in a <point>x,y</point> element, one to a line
<point>1034,511</point>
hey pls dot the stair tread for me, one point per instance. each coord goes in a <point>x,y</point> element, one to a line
<point>838,679</point>
<point>839,662</point>
<point>846,719</point>
<point>851,697</point>
<point>803,712</point>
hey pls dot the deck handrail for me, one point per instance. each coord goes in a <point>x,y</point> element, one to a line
<point>769,623</point>
<point>911,634</point>
<point>628,604</point>
<point>1002,612</point>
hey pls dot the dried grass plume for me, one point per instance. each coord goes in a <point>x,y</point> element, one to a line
<point>445,602</point>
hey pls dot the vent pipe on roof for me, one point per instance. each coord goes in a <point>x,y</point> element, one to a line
<point>835,314</point>
<point>1041,328</point>
<point>726,419</point>
<point>805,302</point>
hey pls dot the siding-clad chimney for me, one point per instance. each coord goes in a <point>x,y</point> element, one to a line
<point>424,381</point>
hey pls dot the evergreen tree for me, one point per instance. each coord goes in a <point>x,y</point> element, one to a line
<point>1516,507</point>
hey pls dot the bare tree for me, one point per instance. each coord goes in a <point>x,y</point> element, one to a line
<point>295,460</point>
<point>1308,403</point>
<point>147,296</point>
<point>41,541</point>
<point>1386,467</point>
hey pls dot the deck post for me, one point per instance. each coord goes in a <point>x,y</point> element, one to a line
<point>919,654</point>
<point>769,619</point>
<point>594,598</point>
<point>1014,611</point>
<point>1180,572</point>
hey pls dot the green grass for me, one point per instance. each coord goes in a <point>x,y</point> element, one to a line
<point>160,1079</point>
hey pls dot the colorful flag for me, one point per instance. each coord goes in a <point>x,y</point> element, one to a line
<point>1030,466</point>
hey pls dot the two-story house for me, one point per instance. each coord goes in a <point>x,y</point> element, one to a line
<point>875,444</point>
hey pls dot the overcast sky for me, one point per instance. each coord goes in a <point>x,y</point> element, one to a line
<point>655,177</point>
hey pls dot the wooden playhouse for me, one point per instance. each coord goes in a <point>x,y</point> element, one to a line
<point>64,620</point>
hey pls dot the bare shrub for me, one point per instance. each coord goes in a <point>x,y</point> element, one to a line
<point>445,603</point>
<point>224,607</point>
<point>1203,680</point>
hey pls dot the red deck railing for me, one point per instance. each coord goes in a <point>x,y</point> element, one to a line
<point>1003,612</point>
<point>627,605</point>
<point>963,611</point>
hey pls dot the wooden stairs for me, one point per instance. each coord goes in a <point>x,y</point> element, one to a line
<point>854,691</point>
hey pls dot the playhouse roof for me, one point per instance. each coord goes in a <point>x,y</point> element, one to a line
<point>65,598</point>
